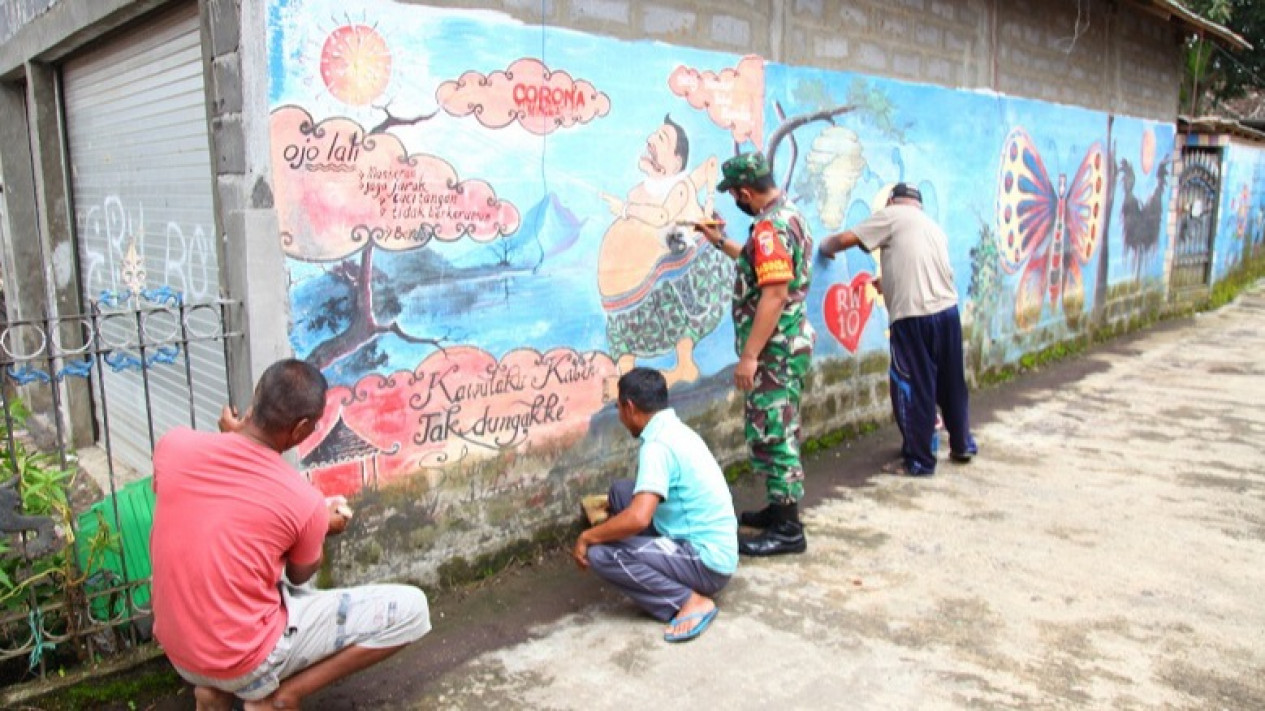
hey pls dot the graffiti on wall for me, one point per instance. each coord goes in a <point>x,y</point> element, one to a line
<point>120,240</point>
<point>483,234</point>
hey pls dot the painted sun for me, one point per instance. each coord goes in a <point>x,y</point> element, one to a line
<point>1148,151</point>
<point>355,64</point>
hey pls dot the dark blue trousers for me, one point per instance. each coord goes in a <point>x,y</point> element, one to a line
<point>927,371</point>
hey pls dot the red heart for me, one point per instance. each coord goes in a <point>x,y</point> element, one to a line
<point>847,309</point>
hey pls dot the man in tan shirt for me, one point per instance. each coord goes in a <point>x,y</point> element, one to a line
<point>926,330</point>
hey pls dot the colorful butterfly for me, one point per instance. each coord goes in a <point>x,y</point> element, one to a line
<point>1050,227</point>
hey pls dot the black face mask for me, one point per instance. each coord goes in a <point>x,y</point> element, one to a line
<point>745,206</point>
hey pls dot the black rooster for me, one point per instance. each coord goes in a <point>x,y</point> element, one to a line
<point>1141,223</point>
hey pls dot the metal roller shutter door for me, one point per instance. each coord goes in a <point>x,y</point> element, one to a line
<point>141,178</point>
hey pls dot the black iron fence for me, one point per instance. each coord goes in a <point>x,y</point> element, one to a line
<point>79,393</point>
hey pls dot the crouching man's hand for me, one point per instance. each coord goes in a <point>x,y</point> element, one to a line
<point>580,553</point>
<point>339,515</point>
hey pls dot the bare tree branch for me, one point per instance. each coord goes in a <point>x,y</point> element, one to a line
<point>364,326</point>
<point>364,281</point>
<point>394,327</point>
<point>1099,311</point>
<point>790,170</point>
<point>392,120</point>
<point>795,122</point>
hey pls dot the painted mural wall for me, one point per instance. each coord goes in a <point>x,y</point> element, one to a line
<point>1241,217</point>
<point>482,225</point>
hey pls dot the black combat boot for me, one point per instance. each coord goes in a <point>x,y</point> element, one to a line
<point>757,519</point>
<point>785,534</point>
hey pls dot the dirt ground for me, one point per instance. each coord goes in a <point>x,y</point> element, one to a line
<point>1104,551</point>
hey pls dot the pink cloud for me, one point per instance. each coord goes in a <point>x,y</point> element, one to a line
<point>462,403</point>
<point>337,189</point>
<point>734,98</point>
<point>526,92</point>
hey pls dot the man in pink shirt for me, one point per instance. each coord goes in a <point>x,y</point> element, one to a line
<point>231,517</point>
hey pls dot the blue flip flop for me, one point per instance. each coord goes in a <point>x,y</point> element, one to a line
<point>704,619</point>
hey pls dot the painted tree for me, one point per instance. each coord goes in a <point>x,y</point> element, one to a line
<point>346,192</point>
<point>1104,248</point>
<point>344,195</point>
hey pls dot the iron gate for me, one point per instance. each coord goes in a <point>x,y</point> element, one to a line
<point>74,562</point>
<point>1199,194</point>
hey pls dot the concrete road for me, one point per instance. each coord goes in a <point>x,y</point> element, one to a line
<point>1106,550</point>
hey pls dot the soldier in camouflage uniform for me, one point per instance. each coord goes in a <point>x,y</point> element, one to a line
<point>774,342</point>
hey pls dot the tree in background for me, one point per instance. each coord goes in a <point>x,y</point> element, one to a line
<point>1214,73</point>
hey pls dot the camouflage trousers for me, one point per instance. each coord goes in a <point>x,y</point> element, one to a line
<point>772,427</point>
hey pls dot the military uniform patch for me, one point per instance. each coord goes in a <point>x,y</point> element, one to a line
<point>766,238</point>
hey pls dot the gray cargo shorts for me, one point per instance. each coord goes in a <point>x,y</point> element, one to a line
<point>323,622</point>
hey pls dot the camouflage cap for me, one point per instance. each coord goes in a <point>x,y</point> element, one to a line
<point>743,169</point>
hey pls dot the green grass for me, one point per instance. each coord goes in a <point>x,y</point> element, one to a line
<point>1222,293</point>
<point>134,690</point>
<point>836,437</point>
<point>742,469</point>
<point>1235,283</point>
<point>459,572</point>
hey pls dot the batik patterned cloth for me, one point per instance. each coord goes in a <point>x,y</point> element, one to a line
<point>682,297</point>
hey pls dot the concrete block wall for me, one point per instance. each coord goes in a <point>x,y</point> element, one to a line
<point>945,42</point>
<point>1110,59</point>
<point>1052,51</point>
<point>1129,305</point>
<point>838,394</point>
<point>1097,55</point>
<point>1148,71</point>
<point>747,26</point>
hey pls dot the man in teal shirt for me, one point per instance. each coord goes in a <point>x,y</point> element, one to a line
<point>671,542</point>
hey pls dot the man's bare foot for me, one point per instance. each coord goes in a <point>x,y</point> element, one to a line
<point>696,611</point>
<point>208,699</point>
